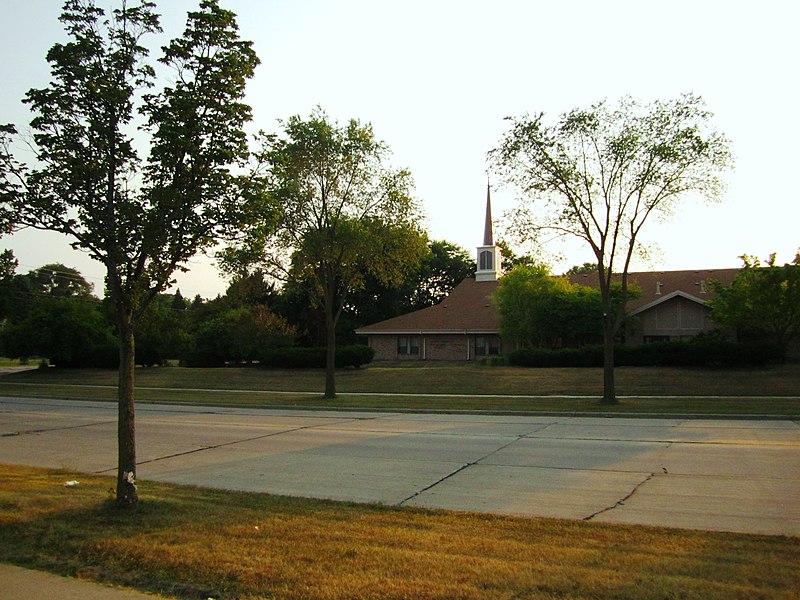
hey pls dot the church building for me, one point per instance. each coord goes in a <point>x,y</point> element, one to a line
<point>464,326</point>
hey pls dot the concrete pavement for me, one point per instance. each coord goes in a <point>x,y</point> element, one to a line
<point>707,474</point>
<point>25,584</point>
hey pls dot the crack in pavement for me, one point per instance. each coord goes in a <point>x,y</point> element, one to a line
<point>621,502</point>
<point>458,470</point>
<point>634,490</point>
<point>48,429</point>
<point>215,446</point>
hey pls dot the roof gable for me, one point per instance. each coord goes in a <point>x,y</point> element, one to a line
<point>666,298</point>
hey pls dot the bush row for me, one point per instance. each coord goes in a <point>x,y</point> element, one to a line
<point>302,358</point>
<point>716,353</point>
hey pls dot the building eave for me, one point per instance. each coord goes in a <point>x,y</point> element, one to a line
<point>428,332</point>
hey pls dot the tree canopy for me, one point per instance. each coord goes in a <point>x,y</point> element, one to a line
<point>600,173</point>
<point>346,215</point>
<point>142,219</point>
<point>540,310</point>
<point>763,300</point>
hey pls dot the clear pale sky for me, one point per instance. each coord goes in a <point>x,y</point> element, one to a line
<point>437,77</point>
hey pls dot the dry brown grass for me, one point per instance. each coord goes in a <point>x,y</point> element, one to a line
<point>197,543</point>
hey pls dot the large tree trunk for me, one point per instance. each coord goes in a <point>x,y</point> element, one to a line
<point>609,385</point>
<point>330,352</point>
<point>126,430</point>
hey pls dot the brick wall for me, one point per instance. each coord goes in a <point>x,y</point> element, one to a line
<point>446,347</point>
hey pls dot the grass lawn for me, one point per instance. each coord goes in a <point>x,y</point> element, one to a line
<point>198,543</point>
<point>770,391</point>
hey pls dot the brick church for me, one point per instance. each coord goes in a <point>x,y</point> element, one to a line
<point>465,326</point>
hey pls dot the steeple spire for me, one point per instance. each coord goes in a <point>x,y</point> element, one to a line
<point>488,234</point>
<point>489,258</point>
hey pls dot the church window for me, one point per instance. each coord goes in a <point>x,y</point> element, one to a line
<point>487,345</point>
<point>407,345</point>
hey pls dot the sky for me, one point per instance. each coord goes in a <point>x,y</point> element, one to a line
<point>436,79</point>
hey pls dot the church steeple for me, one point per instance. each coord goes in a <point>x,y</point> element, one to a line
<point>488,234</point>
<point>489,258</point>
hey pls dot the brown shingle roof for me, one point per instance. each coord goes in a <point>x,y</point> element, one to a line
<point>656,286</point>
<point>468,308</point>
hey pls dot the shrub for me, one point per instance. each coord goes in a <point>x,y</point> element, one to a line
<point>700,353</point>
<point>314,358</point>
<point>354,355</point>
<point>587,356</point>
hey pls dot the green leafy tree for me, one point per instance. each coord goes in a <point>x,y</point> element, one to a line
<point>600,173</point>
<point>8,289</point>
<point>68,331</point>
<point>441,270</point>
<point>250,289</point>
<point>142,220</point>
<point>162,331</point>
<point>586,268</point>
<point>511,259</point>
<point>540,310</point>
<point>762,300</point>
<point>345,215</point>
<point>57,280</point>
<point>238,335</point>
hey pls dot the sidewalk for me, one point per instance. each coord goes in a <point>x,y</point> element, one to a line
<point>24,584</point>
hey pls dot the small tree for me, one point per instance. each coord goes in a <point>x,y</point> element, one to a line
<point>762,300</point>
<point>142,221</point>
<point>539,310</point>
<point>600,173</point>
<point>345,215</point>
<point>237,335</point>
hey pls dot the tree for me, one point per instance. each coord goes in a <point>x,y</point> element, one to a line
<point>8,288</point>
<point>443,269</point>
<point>587,268</point>
<point>762,300</point>
<point>69,331</point>
<point>238,335</point>
<point>600,173</point>
<point>511,259</point>
<point>161,332</point>
<point>540,310</point>
<point>345,215</point>
<point>143,221</point>
<point>58,280</point>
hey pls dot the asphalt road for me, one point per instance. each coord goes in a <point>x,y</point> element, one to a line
<point>705,474</point>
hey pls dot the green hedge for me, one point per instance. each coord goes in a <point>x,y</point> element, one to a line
<point>310,358</point>
<point>717,353</point>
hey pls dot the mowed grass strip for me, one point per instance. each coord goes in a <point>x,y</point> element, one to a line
<point>771,391</point>
<point>197,543</point>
